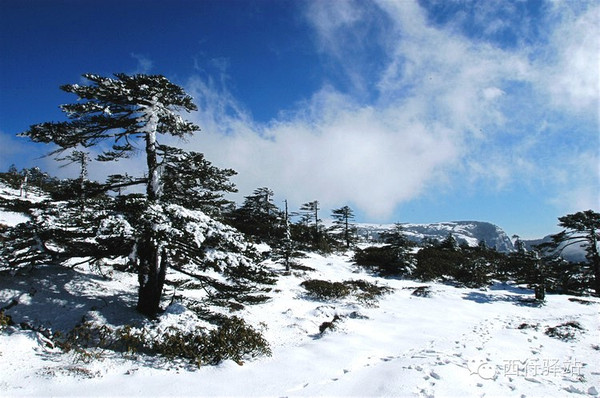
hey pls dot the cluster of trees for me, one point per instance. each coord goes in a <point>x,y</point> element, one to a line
<point>172,224</point>
<point>542,267</point>
<point>31,178</point>
<point>181,216</point>
<point>259,218</point>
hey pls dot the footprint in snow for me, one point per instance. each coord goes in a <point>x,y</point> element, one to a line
<point>426,394</point>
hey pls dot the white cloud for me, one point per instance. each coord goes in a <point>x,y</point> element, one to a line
<point>333,21</point>
<point>451,75</point>
<point>444,112</point>
<point>571,70</point>
<point>144,64</point>
<point>11,148</point>
<point>448,110</point>
<point>351,36</point>
<point>579,179</point>
<point>492,93</point>
<point>331,150</point>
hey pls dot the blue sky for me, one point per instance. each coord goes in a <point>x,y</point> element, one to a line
<point>407,111</point>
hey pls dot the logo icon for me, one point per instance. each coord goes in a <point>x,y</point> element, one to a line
<point>482,368</point>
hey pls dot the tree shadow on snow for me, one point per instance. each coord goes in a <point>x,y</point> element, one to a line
<point>58,298</point>
<point>509,288</point>
<point>516,295</point>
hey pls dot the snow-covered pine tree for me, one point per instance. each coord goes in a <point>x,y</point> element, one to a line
<point>123,110</point>
<point>287,246</point>
<point>81,158</point>
<point>285,249</point>
<point>449,243</point>
<point>342,224</point>
<point>393,258</point>
<point>259,217</point>
<point>61,228</point>
<point>193,243</point>
<point>190,180</point>
<point>397,238</point>
<point>582,229</point>
<point>311,211</point>
<point>129,110</point>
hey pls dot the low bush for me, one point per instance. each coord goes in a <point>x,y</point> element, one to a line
<point>233,339</point>
<point>364,291</point>
<point>325,290</point>
<point>329,325</point>
<point>580,301</point>
<point>300,267</point>
<point>5,321</point>
<point>525,325</point>
<point>422,291</point>
<point>367,292</point>
<point>565,332</point>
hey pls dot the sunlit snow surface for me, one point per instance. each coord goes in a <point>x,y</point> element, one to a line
<point>456,342</point>
<point>11,218</point>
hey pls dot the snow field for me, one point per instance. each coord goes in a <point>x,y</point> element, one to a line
<point>456,342</point>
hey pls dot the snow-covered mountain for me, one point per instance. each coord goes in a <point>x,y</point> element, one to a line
<point>469,232</point>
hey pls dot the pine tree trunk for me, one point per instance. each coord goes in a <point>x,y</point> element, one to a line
<point>23,187</point>
<point>595,261</point>
<point>152,187</point>
<point>317,236</point>
<point>540,292</point>
<point>151,276</point>
<point>347,232</point>
<point>286,257</point>
<point>597,276</point>
<point>287,240</point>
<point>152,262</point>
<point>596,265</point>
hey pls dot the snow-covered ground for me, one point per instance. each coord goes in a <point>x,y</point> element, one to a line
<point>30,194</point>
<point>11,218</point>
<point>454,342</point>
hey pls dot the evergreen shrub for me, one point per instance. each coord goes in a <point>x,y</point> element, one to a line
<point>325,290</point>
<point>364,291</point>
<point>233,339</point>
<point>5,321</point>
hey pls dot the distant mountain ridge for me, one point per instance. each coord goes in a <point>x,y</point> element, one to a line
<point>469,232</point>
